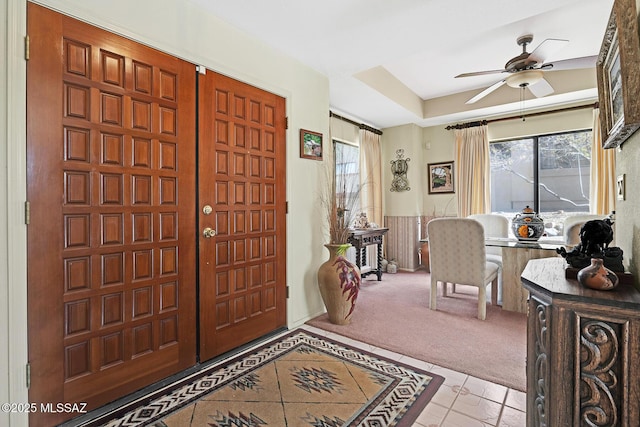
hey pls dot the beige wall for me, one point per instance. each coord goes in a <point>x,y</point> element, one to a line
<point>410,139</point>
<point>627,227</point>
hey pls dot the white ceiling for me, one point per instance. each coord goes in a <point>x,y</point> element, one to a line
<point>384,58</point>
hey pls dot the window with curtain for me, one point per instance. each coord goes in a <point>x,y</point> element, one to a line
<point>550,173</point>
<point>347,170</point>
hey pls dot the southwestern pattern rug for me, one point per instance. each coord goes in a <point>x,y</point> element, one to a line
<point>299,379</point>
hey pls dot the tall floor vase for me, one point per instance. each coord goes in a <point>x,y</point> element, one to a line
<point>339,283</point>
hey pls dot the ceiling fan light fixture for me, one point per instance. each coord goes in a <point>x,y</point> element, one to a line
<point>524,78</point>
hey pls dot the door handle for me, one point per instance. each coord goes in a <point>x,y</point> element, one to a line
<point>208,232</point>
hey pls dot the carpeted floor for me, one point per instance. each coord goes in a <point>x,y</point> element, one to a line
<point>394,314</point>
<point>298,379</point>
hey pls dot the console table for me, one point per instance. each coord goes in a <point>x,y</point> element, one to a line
<point>583,349</point>
<point>360,239</point>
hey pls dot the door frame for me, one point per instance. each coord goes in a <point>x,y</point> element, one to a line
<point>13,266</point>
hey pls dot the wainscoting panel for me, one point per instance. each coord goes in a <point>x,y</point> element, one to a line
<point>402,241</point>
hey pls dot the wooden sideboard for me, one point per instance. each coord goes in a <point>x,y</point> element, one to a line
<point>363,237</point>
<point>583,351</point>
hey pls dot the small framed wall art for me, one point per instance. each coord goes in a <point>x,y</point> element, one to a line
<point>441,178</point>
<point>310,144</point>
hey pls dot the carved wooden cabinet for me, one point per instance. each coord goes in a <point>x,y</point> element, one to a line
<point>582,351</point>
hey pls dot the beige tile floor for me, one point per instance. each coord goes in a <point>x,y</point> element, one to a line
<point>462,401</point>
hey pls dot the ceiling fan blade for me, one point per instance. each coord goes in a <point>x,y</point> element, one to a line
<point>479,73</point>
<point>541,88</point>
<point>547,48</point>
<point>572,64</point>
<point>486,92</point>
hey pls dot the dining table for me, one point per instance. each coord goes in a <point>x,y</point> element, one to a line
<point>515,256</point>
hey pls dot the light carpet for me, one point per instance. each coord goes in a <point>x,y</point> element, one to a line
<point>299,379</point>
<point>394,314</point>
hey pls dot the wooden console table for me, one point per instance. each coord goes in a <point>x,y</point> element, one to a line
<point>360,239</point>
<point>583,349</point>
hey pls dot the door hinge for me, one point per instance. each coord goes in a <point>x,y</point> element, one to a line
<point>26,48</point>
<point>27,213</point>
<point>286,207</point>
<point>286,122</point>
<point>28,375</point>
<point>287,292</point>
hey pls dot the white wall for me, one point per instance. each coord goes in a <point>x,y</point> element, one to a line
<point>181,29</point>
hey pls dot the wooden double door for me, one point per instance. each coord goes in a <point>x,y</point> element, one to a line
<point>131,157</point>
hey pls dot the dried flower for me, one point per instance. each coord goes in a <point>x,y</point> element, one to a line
<point>340,198</point>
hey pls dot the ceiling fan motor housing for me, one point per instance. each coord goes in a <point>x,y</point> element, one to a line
<point>522,61</point>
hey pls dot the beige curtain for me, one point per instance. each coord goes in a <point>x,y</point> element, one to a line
<point>371,176</point>
<point>602,189</point>
<point>472,171</point>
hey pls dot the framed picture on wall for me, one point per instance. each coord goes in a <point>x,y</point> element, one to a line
<point>310,144</point>
<point>441,178</point>
<point>618,79</point>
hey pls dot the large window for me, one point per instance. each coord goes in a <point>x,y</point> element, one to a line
<point>550,173</point>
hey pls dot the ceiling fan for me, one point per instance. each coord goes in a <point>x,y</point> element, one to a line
<point>527,69</point>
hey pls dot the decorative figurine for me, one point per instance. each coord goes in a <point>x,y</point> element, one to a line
<point>595,236</point>
<point>361,221</point>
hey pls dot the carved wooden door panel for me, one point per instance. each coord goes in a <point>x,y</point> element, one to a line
<point>112,234</point>
<point>242,179</point>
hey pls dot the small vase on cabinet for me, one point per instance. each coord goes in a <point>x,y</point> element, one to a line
<point>597,276</point>
<point>339,283</point>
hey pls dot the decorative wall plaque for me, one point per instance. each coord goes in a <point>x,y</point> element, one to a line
<point>399,167</point>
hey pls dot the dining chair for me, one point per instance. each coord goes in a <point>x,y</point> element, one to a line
<point>494,225</point>
<point>457,255</point>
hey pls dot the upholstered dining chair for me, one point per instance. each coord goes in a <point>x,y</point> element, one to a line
<point>494,225</point>
<point>457,255</point>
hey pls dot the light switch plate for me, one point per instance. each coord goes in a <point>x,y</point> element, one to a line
<point>620,187</point>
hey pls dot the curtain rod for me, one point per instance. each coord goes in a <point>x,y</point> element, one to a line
<point>360,125</point>
<point>540,113</point>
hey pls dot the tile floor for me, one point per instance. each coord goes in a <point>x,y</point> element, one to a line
<point>462,401</point>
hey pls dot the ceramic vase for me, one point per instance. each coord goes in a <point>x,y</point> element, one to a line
<point>527,226</point>
<point>339,283</point>
<point>597,276</point>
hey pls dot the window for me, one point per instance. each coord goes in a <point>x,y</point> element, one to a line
<point>347,158</point>
<point>550,173</point>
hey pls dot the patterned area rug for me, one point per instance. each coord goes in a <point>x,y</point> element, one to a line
<point>298,379</point>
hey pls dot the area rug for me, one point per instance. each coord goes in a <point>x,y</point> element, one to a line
<point>299,379</point>
<point>394,314</point>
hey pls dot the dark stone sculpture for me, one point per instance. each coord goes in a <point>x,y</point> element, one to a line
<point>595,236</point>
